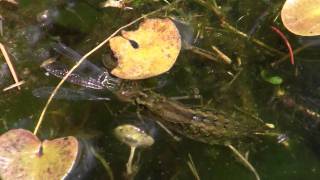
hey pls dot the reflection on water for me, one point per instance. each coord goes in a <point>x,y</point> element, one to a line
<point>86,161</point>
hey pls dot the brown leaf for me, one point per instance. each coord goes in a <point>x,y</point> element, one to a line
<point>302,17</point>
<point>23,156</point>
<point>149,51</point>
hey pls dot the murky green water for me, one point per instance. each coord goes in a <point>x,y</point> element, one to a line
<point>82,24</point>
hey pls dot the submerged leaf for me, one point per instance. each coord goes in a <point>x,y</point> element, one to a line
<point>272,79</point>
<point>149,51</point>
<point>23,156</point>
<point>302,17</point>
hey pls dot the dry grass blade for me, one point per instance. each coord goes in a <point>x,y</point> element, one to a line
<point>244,161</point>
<point>202,52</point>
<point>104,163</point>
<point>225,24</point>
<point>226,59</point>
<point>13,86</point>
<point>193,168</point>
<point>8,61</point>
<point>176,138</point>
<point>86,56</point>
<point>1,25</point>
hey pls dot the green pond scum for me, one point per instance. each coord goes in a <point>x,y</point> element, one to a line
<point>232,84</point>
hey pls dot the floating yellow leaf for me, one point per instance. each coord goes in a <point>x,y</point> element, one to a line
<point>149,51</point>
<point>302,17</point>
<point>23,156</point>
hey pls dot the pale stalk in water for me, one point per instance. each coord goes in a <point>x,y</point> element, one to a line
<point>10,65</point>
<point>244,160</point>
<point>104,163</point>
<point>129,163</point>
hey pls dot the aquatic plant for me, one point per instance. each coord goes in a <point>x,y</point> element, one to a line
<point>135,138</point>
<point>24,156</point>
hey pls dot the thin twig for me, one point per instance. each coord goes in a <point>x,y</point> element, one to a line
<point>231,28</point>
<point>104,163</point>
<point>13,86</point>
<point>204,53</point>
<point>244,161</point>
<point>248,113</point>
<point>86,56</point>
<point>193,167</point>
<point>226,59</point>
<point>235,77</point>
<point>8,61</point>
<point>176,138</point>
<point>295,52</point>
<point>1,25</point>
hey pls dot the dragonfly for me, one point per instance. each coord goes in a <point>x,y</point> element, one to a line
<point>88,75</point>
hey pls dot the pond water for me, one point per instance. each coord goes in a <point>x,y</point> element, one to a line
<point>30,29</point>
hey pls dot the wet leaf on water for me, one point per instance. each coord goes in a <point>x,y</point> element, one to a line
<point>302,17</point>
<point>272,79</point>
<point>24,156</point>
<point>147,52</point>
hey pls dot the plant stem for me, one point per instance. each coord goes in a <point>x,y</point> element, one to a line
<point>10,65</point>
<point>244,160</point>
<point>129,163</point>
<point>104,163</point>
<point>231,28</point>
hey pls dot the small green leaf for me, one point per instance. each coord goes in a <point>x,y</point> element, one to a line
<point>272,79</point>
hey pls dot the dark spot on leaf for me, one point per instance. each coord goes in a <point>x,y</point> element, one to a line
<point>134,44</point>
<point>40,152</point>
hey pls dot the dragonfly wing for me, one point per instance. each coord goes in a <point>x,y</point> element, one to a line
<point>67,94</point>
<point>60,70</point>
